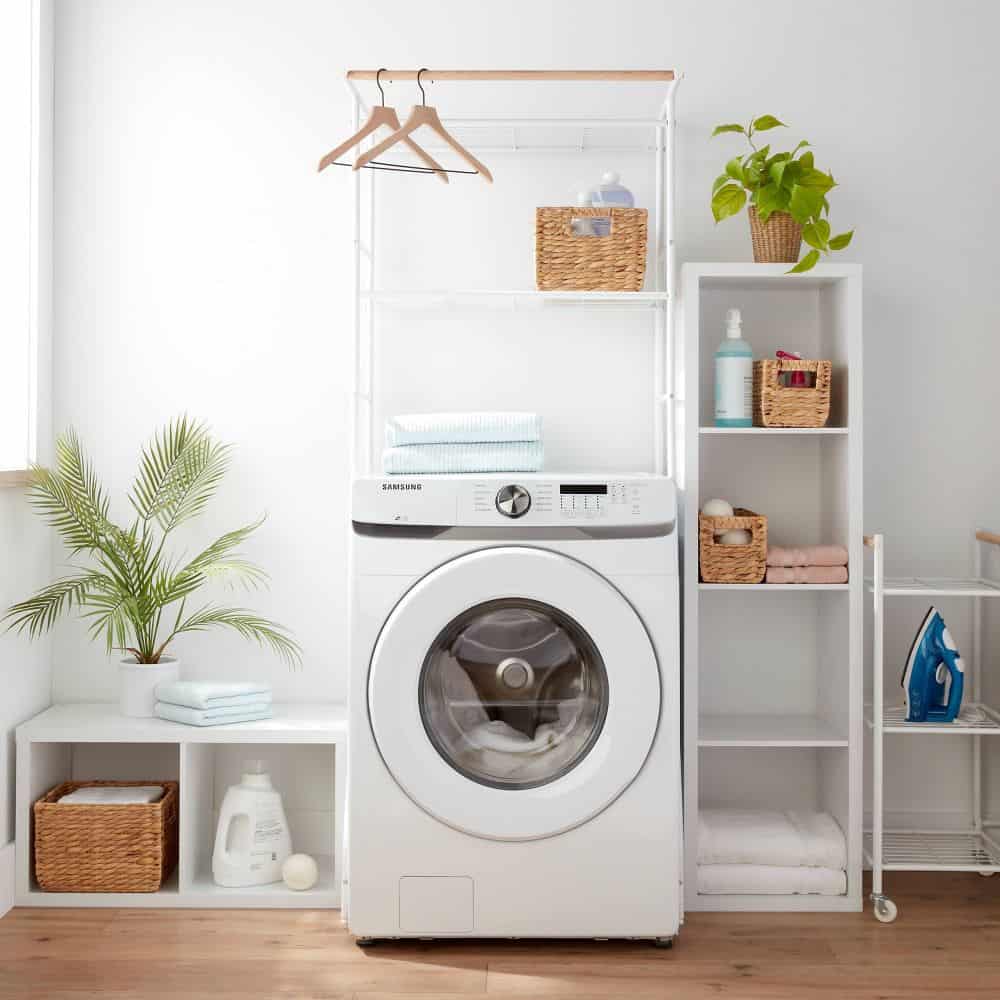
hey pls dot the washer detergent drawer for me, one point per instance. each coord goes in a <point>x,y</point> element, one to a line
<point>436,904</point>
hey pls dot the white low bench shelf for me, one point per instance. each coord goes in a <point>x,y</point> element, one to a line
<point>93,741</point>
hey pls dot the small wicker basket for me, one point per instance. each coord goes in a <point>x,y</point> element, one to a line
<point>733,563</point>
<point>777,405</point>
<point>565,261</point>
<point>105,848</point>
<point>776,242</point>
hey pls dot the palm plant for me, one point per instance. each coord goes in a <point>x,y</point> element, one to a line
<point>134,594</point>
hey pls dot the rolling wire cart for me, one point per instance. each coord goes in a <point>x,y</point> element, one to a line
<point>974,849</point>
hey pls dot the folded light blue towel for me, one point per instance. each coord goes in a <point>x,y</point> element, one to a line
<point>509,456</point>
<point>212,694</point>
<point>213,716</point>
<point>461,428</point>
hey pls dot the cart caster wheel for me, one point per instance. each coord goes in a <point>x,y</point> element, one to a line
<point>366,942</point>
<point>986,874</point>
<point>663,942</point>
<point>885,910</point>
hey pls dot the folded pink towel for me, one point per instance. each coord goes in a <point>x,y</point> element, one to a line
<point>810,555</point>
<point>806,574</point>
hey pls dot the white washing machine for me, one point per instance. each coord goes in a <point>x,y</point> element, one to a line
<point>514,706</point>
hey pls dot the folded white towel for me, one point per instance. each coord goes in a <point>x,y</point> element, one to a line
<point>771,880</point>
<point>212,694</point>
<point>213,716</point>
<point>461,428</point>
<point>509,456</point>
<point>769,837</point>
<point>113,795</point>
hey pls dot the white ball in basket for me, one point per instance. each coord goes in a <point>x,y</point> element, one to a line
<point>717,508</point>
<point>738,536</point>
<point>300,872</point>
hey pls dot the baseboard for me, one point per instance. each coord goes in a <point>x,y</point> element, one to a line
<point>6,877</point>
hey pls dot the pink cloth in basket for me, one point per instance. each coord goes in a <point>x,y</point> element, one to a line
<point>806,574</point>
<point>810,555</point>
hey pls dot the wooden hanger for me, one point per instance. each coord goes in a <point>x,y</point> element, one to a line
<point>379,116</point>
<point>422,115</point>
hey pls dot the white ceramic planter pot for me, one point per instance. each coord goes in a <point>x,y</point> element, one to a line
<point>137,684</point>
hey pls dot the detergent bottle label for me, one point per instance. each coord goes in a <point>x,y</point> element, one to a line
<point>733,388</point>
<point>267,833</point>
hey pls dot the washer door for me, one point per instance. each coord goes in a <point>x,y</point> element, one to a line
<point>514,693</point>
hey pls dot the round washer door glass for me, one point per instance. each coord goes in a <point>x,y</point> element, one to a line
<point>513,693</point>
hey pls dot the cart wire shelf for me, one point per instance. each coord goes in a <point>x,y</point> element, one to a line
<point>933,586</point>
<point>974,719</point>
<point>936,851</point>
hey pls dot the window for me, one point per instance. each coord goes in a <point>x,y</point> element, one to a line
<point>20,80</point>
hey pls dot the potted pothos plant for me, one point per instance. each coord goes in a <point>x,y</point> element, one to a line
<point>787,195</point>
<point>136,596</point>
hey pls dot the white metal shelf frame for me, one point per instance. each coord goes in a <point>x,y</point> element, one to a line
<point>660,144</point>
<point>972,850</point>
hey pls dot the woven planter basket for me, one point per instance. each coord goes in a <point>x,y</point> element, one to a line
<point>733,563</point>
<point>98,848</point>
<point>777,405</point>
<point>777,242</point>
<point>565,261</point>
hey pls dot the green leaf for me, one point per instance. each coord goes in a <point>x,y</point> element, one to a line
<point>816,234</point>
<point>812,178</point>
<point>777,171</point>
<point>770,199</point>
<point>248,625</point>
<point>806,160</point>
<point>719,129</point>
<point>806,264</point>
<point>841,241</point>
<point>719,181</point>
<point>735,169</point>
<point>766,122</point>
<point>728,201</point>
<point>805,203</point>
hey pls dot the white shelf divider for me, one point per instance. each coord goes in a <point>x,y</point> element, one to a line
<point>767,732</point>
<point>60,742</point>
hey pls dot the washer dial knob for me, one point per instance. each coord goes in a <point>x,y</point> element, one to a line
<point>513,501</point>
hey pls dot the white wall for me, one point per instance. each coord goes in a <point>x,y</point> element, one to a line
<point>203,266</point>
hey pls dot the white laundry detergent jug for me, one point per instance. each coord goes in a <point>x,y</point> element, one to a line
<point>252,841</point>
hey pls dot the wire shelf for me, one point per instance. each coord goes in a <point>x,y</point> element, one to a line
<point>944,851</point>
<point>972,720</point>
<point>933,586</point>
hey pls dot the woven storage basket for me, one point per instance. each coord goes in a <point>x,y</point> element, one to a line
<point>98,848</point>
<point>777,405</point>
<point>733,563</point>
<point>612,263</point>
<point>777,242</point>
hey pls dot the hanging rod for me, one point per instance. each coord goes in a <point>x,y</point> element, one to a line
<point>517,75</point>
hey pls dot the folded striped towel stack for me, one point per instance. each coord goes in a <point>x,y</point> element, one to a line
<point>212,703</point>
<point>816,564</point>
<point>426,443</point>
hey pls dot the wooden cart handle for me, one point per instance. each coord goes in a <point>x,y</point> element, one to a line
<point>988,536</point>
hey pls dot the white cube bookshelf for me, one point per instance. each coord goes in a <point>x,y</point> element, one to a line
<point>304,748</point>
<point>773,674</point>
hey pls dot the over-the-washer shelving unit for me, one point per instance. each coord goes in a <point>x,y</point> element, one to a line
<point>977,847</point>
<point>537,114</point>
<point>304,748</point>
<point>773,673</point>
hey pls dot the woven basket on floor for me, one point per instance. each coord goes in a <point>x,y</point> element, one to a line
<point>777,242</point>
<point>105,848</point>
<point>777,405</point>
<point>565,261</point>
<point>733,563</point>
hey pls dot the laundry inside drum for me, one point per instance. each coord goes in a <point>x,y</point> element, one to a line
<point>513,693</point>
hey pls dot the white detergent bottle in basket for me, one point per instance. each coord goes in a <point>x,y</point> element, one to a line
<point>252,841</point>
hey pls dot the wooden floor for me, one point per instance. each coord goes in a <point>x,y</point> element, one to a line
<point>946,943</point>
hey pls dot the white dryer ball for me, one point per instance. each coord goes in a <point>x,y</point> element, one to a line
<point>300,872</point>
<point>717,508</point>
<point>738,536</point>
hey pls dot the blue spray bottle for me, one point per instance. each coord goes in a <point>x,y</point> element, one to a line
<point>734,377</point>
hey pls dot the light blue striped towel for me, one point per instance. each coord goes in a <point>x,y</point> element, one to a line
<point>461,428</point>
<point>212,694</point>
<point>213,716</point>
<point>507,456</point>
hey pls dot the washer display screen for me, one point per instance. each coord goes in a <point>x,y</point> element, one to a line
<point>513,693</point>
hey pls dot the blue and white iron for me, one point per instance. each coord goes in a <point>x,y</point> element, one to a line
<point>934,677</point>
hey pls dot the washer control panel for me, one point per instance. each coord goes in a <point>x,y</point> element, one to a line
<point>521,499</point>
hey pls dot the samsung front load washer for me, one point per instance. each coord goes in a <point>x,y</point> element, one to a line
<point>514,767</point>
